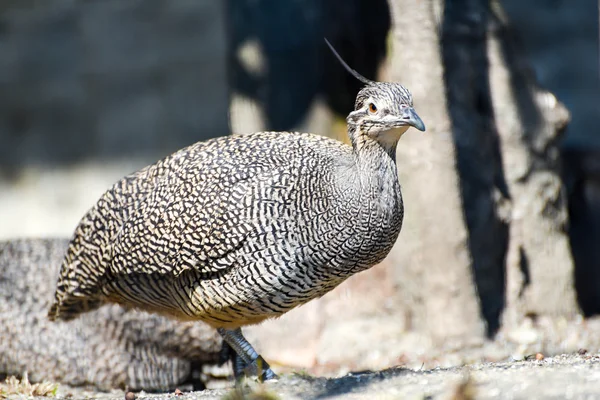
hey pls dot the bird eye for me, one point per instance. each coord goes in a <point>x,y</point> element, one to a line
<point>372,108</point>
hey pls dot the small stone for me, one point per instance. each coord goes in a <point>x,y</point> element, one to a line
<point>178,392</point>
<point>539,356</point>
<point>130,396</point>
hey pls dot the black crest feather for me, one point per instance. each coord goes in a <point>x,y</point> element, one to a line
<point>353,72</point>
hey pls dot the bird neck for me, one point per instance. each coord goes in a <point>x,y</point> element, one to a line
<point>376,162</point>
<point>373,153</point>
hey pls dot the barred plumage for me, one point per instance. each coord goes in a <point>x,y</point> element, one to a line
<point>239,229</point>
<point>113,347</point>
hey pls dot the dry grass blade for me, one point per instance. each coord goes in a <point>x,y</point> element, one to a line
<point>14,386</point>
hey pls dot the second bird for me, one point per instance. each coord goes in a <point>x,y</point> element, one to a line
<point>239,229</point>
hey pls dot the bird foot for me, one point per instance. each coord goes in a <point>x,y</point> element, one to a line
<point>261,369</point>
<point>258,368</point>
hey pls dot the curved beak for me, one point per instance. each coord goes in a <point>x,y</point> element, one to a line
<point>411,118</point>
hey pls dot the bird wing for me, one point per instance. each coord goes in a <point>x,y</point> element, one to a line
<point>189,221</point>
<point>191,210</point>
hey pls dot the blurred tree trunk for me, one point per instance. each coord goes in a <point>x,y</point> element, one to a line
<point>484,199</point>
<point>540,269</point>
<point>434,273</point>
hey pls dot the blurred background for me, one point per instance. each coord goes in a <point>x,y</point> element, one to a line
<point>500,254</point>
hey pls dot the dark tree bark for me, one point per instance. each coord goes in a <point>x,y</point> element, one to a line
<point>479,164</point>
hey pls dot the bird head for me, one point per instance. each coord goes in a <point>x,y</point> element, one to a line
<point>384,108</point>
<point>383,111</point>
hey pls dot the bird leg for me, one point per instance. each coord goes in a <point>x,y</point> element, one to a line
<point>228,354</point>
<point>248,361</point>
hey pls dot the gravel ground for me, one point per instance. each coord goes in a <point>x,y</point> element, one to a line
<point>559,377</point>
